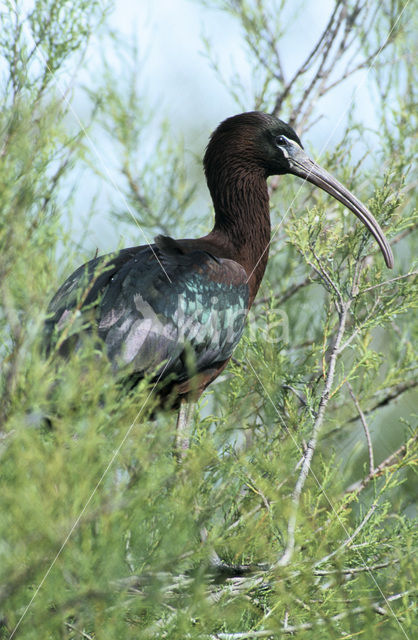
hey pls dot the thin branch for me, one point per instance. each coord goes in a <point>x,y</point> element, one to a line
<point>266,633</point>
<point>310,449</point>
<point>271,41</point>
<point>307,64</point>
<point>257,52</point>
<point>326,279</point>
<point>394,459</point>
<point>385,282</point>
<point>365,427</point>
<point>406,232</point>
<point>354,570</point>
<point>350,538</point>
<point>347,44</point>
<point>360,327</point>
<point>397,391</point>
<point>83,634</point>
<point>321,73</point>
<point>251,484</point>
<point>243,635</point>
<point>282,297</point>
<point>349,72</point>
<point>133,185</point>
<point>301,397</point>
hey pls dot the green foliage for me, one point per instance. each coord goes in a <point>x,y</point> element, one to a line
<point>103,534</point>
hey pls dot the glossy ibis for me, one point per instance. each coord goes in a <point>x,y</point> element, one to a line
<point>176,309</point>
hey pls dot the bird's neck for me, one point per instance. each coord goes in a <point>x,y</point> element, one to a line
<point>242,220</point>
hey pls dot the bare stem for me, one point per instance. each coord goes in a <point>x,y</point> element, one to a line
<point>283,296</point>
<point>353,570</point>
<point>385,282</point>
<point>291,629</point>
<point>393,459</point>
<point>365,427</point>
<point>310,448</point>
<point>80,632</point>
<point>347,542</point>
<point>392,394</point>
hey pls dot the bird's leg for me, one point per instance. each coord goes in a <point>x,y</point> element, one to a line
<point>183,427</point>
<point>182,444</point>
<point>220,569</point>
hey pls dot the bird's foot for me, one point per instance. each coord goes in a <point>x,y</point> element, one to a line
<point>223,570</point>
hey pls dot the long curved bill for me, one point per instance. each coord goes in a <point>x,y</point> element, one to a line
<point>302,166</point>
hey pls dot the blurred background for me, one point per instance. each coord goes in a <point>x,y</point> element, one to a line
<point>105,113</point>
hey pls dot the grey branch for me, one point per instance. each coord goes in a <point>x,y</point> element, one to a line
<point>392,394</point>
<point>81,633</point>
<point>269,633</point>
<point>354,570</point>
<point>365,427</point>
<point>385,282</point>
<point>347,542</point>
<point>310,449</point>
<point>394,459</point>
<point>283,296</point>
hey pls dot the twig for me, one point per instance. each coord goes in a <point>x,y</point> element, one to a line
<point>350,538</point>
<point>394,458</point>
<point>406,232</point>
<point>298,394</point>
<point>243,635</point>
<point>251,484</point>
<point>361,65</point>
<point>308,454</point>
<point>326,279</point>
<point>382,284</point>
<point>266,633</point>
<point>397,391</point>
<point>353,570</point>
<point>365,427</point>
<point>307,64</point>
<point>142,199</point>
<point>282,297</point>
<point>360,327</point>
<point>83,634</point>
<point>286,620</point>
<point>322,71</point>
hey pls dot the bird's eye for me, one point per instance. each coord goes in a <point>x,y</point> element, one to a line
<point>281,140</point>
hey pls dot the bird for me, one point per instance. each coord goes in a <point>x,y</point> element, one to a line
<point>176,309</point>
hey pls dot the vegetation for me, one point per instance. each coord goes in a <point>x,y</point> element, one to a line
<point>303,454</point>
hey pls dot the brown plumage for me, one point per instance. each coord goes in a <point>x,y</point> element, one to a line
<point>152,305</point>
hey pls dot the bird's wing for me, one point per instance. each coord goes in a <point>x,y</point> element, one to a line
<point>74,306</point>
<point>152,313</point>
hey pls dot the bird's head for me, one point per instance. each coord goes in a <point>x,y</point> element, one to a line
<point>262,142</point>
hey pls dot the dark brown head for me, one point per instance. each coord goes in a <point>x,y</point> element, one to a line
<point>249,139</point>
<point>259,145</point>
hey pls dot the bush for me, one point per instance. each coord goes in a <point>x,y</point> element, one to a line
<point>302,454</point>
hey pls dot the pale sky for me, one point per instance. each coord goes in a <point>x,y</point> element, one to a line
<point>177,72</point>
<point>178,79</point>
